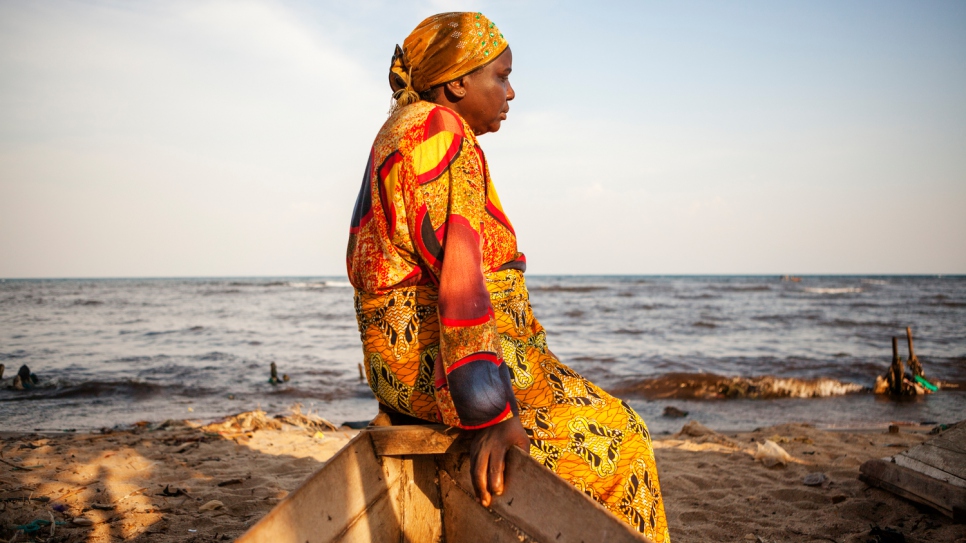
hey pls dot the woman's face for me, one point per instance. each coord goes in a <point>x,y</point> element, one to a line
<point>487,91</point>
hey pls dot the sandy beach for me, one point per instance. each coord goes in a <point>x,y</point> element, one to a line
<point>181,481</point>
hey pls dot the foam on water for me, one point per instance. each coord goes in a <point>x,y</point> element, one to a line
<point>833,290</point>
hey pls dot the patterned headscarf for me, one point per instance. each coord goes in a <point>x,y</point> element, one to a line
<point>442,48</point>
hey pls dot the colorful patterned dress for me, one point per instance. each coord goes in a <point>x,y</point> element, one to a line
<point>447,329</point>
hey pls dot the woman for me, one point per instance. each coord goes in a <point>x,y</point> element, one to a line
<point>447,328</point>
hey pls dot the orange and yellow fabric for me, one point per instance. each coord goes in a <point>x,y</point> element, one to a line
<point>447,329</point>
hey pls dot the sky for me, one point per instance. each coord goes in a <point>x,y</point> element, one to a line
<point>229,138</point>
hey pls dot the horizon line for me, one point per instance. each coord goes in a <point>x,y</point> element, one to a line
<point>346,278</point>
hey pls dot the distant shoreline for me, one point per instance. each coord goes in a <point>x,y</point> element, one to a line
<point>777,275</point>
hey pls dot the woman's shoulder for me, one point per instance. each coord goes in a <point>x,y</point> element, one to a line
<point>421,121</point>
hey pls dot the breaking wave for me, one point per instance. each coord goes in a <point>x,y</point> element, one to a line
<point>833,290</point>
<point>706,386</point>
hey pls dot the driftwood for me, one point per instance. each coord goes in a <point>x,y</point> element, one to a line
<point>896,381</point>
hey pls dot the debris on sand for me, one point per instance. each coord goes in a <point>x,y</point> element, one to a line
<point>212,505</point>
<point>312,423</point>
<point>243,423</point>
<point>698,433</point>
<point>771,454</point>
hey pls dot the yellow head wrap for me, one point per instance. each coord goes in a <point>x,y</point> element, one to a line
<point>442,48</point>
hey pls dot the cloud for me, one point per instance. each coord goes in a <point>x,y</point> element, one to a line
<point>272,34</point>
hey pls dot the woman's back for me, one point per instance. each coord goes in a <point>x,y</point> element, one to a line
<point>425,171</point>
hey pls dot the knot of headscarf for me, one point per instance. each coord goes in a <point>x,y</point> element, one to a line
<point>442,48</point>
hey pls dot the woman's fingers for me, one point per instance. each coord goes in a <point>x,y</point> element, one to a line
<point>495,471</point>
<point>488,456</point>
<point>479,464</point>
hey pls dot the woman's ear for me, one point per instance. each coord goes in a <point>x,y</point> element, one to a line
<point>455,90</point>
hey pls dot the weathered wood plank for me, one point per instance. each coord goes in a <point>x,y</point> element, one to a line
<point>913,485</point>
<point>420,504</point>
<point>940,458</point>
<point>953,439</point>
<point>379,524</point>
<point>530,487</point>
<point>466,520</point>
<point>416,440</point>
<point>346,490</point>
<point>930,471</point>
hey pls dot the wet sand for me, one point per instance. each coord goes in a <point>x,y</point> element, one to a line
<point>184,482</point>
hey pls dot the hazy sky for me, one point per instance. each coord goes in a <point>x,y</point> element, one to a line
<point>229,138</point>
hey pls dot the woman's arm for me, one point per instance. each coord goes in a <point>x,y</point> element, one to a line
<point>463,299</point>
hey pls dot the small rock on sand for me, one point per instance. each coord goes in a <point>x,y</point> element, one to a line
<point>814,479</point>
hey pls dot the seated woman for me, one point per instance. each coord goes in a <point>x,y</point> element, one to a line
<point>447,329</point>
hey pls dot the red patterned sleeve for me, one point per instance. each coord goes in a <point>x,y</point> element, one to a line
<point>473,387</point>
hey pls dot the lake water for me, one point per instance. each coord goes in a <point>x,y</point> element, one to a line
<point>116,351</point>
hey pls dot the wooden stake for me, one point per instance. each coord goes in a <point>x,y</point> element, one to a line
<point>362,374</point>
<point>914,365</point>
<point>896,371</point>
<point>912,353</point>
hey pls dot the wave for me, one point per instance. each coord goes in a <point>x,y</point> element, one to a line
<point>152,333</point>
<point>650,307</point>
<point>307,284</point>
<point>318,315</point>
<point>327,394</point>
<point>128,388</point>
<point>741,288</point>
<point>311,285</point>
<point>19,353</point>
<point>833,290</point>
<point>707,386</point>
<point>950,304</point>
<point>258,284</point>
<point>847,323</point>
<point>562,288</point>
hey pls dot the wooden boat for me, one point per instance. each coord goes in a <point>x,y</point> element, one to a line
<point>932,473</point>
<point>411,483</point>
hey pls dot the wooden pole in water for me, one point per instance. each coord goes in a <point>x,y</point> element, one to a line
<point>914,365</point>
<point>912,353</point>
<point>362,375</point>
<point>896,369</point>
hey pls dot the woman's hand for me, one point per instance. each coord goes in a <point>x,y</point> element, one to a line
<point>487,455</point>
